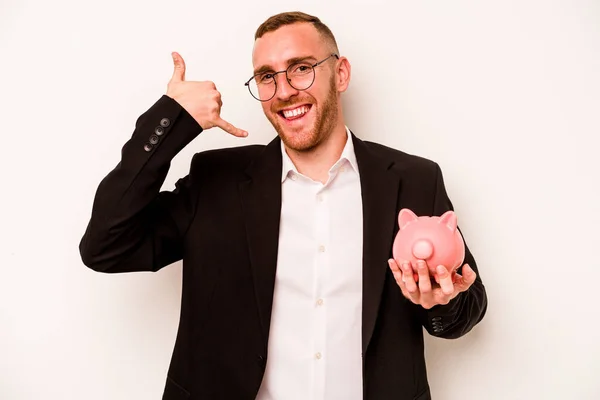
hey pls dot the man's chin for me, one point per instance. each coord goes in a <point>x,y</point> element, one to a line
<point>299,139</point>
<point>299,143</point>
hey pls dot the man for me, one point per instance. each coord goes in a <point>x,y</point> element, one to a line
<point>289,286</point>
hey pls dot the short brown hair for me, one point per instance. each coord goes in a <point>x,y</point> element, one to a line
<point>287,18</point>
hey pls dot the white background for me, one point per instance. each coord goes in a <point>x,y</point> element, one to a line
<point>505,95</point>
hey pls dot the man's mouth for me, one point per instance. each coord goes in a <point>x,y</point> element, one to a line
<point>291,114</point>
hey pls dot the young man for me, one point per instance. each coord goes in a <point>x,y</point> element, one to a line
<point>289,289</point>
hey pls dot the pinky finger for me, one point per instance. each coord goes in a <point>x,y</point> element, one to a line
<point>395,270</point>
<point>398,275</point>
<point>227,127</point>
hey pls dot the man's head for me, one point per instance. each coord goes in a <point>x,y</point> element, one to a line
<point>304,108</point>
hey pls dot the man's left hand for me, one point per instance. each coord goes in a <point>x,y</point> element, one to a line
<point>428,293</point>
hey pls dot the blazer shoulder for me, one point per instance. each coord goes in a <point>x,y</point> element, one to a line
<point>403,160</point>
<point>228,160</point>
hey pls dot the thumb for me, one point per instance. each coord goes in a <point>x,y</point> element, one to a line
<point>179,68</point>
<point>468,273</point>
<point>467,279</point>
<point>229,128</point>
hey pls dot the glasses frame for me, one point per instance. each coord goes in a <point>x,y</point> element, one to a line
<point>287,78</point>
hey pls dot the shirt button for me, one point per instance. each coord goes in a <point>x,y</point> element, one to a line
<point>294,177</point>
<point>320,198</point>
<point>321,249</point>
<point>320,302</point>
<point>343,169</point>
<point>318,356</point>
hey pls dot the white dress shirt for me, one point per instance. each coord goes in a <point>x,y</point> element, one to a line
<point>315,336</point>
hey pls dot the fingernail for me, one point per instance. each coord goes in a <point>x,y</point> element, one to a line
<point>440,269</point>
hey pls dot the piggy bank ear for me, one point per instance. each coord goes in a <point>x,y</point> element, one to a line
<point>449,219</point>
<point>405,217</point>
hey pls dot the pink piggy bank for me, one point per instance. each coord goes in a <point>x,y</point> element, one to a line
<point>433,239</point>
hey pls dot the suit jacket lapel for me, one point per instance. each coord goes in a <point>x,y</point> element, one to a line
<point>380,185</point>
<point>261,202</point>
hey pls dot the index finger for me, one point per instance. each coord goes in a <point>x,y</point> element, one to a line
<point>229,128</point>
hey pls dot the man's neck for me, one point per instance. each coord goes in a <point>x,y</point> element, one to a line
<point>316,163</point>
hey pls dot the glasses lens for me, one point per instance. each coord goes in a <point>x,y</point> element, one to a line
<point>262,89</point>
<point>301,75</point>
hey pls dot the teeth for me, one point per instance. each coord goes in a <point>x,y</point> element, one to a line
<point>295,112</point>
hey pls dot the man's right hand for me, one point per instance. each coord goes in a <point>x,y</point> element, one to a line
<point>201,100</point>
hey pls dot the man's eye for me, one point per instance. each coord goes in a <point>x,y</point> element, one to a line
<point>266,78</point>
<point>301,69</point>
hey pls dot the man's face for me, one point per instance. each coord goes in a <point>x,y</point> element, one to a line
<point>303,119</point>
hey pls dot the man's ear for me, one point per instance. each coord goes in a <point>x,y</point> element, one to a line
<point>343,74</point>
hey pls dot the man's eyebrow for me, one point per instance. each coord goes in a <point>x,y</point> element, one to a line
<point>294,60</point>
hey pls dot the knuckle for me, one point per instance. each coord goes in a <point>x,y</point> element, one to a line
<point>410,297</point>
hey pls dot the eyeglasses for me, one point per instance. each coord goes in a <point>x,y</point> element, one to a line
<point>300,76</point>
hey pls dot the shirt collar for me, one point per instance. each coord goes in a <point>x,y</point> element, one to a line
<point>347,155</point>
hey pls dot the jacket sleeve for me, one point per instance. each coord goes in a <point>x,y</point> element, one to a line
<point>466,310</point>
<point>133,225</point>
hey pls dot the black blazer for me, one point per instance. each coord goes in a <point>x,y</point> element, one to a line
<point>222,220</point>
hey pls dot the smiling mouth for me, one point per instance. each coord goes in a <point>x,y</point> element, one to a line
<point>295,113</point>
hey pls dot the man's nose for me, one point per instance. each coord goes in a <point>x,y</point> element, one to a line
<point>284,90</point>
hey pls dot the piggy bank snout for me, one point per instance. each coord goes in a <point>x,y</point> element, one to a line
<point>422,249</point>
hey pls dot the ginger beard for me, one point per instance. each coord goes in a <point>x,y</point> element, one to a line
<point>305,132</point>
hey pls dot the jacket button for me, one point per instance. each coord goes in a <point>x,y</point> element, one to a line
<point>153,139</point>
<point>165,122</point>
<point>148,147</point>
<point>159,130</point>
